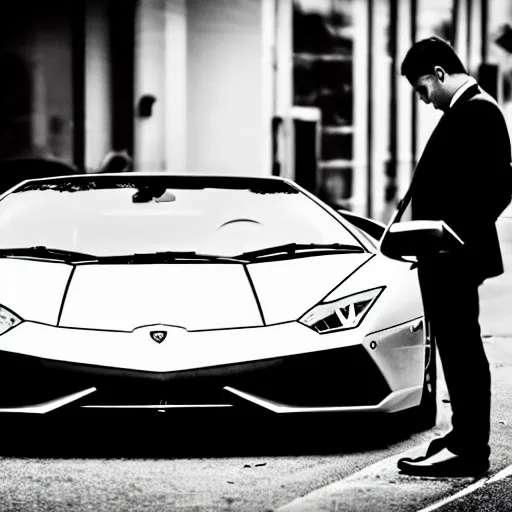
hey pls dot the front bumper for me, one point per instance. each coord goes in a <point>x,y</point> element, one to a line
<point>351,377</point>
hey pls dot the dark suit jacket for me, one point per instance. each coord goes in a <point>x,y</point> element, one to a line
<point>464,177</point>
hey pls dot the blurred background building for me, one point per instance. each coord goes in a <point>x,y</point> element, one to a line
<point>306,89</point>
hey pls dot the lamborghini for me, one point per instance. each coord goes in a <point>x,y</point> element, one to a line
<point>151,292</point>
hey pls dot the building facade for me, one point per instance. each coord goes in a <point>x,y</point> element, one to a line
<point>306,89</point>
<point>346,60</point>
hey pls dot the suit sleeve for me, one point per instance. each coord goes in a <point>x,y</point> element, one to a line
<point>479,181</point>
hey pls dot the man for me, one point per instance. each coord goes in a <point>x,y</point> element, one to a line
<point>463,178</point>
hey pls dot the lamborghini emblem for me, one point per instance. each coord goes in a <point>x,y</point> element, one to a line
<point>158,336</point>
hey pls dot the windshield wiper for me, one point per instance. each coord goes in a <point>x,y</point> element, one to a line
<point>294,248</point>
<point>166,257</point>
<point>43,252</point>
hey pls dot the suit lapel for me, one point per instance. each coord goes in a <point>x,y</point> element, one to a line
<point>417,172</point>
<point>466,95</point>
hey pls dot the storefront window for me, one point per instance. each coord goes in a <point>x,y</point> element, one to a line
<point>36,91</point>
<point>323,78</point>
<point>499,54</point>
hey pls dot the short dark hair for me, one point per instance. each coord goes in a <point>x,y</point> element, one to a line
<point>424,55</point>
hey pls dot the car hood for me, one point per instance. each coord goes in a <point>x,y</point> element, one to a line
<point>195,296</point>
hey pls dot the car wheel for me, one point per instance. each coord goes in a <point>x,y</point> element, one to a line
<point>424,415</point>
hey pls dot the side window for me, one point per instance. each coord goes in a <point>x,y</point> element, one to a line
<point>370,227</point>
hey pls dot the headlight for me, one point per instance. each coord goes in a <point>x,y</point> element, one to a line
<point>340,314</point>
<point>8,320</point>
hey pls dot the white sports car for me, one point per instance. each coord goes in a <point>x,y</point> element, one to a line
<point>149,291</point>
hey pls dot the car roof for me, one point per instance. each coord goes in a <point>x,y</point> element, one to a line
<point>160,174</point>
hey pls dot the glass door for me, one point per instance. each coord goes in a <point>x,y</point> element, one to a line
<point>323,79</point>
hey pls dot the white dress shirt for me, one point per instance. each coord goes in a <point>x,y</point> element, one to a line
<point>462,89</point>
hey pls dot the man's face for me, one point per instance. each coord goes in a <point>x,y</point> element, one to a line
<point>430,89</point>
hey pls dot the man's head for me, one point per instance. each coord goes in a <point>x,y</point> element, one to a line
<point>434,70</point>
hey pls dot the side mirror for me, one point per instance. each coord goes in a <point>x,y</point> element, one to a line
<point>419,238</point>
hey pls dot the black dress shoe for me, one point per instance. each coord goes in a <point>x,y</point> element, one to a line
<point>443,463</point>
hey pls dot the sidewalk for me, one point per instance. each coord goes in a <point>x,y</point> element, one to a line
<point>496,293</point>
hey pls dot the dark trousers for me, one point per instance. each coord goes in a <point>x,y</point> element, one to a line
<point>451,302</point>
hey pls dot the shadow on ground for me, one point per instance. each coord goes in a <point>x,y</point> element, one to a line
<point>170,436</point>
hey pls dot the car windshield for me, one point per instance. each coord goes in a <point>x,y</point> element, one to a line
<point>121,215</point>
